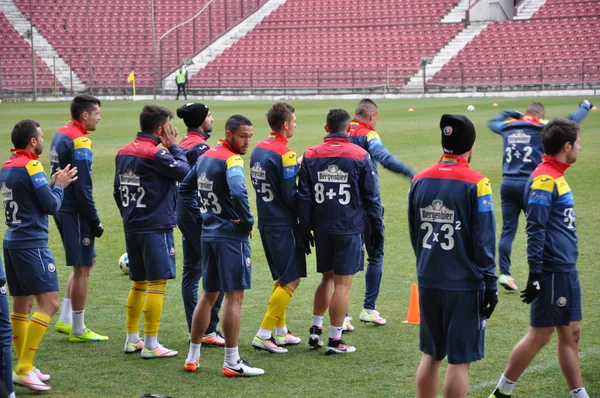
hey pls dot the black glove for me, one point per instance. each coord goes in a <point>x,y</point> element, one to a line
<point>534,286</point>
<point>490,301</point>
<point>98,228</point>
<point>306,241</point>
<point>376,238</point>
<point>586,102</point>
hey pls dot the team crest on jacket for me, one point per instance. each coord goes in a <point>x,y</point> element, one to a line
<point>447,130</point>
<point>172,251</point>
<point>204,184</point>
<point>561,302</point>
<point>7,193</point>
<point>129,178</point>
<point>332,174</point>
<point>248,262</point>
<point>86,241</point>
<point>437,212</point>
<point>258,172</point>
<point>51,267</point>
<point>519,137</point>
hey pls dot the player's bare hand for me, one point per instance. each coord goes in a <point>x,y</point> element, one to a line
<point>65,177</point>
<point>168,137</point>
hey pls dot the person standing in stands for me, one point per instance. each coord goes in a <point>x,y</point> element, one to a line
<point>553,288</point>
<point>199,122</point>
<point>363,134</point>
<point>522,153</point>
<point>181,78</point>
<point>77,220</point>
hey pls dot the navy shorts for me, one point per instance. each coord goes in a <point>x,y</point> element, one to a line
<point>286,260</point>
<point>30,271</point>
<point>226,265</point>
<point>344,254</point>
<point>151,256</point>
<point>77,238</point>
<point>559,301</point>
<point>451,324</point>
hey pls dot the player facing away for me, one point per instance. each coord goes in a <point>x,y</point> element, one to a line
<point>453,234</point>
<point>217,181</point>
<point>553,288</point>
<point>30,266</point>
<point>77,220</point>
<point>522,153</point>
<point>145,190</point>
<point>273,172</point>
<point>337,186</point>
<point>364,135</point>
<point>199,122</point>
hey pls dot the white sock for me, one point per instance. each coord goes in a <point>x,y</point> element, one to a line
<point>281,331</point>
<point>193,353</point>
<point>12,395</point>
<point>370,312</point>
<point>231,356</point>
<point>78,322</point>
<point>263,334</point>
<point>579,393</point>
<point>65,312</point>
<point>335,332</point>
<point>151,342</point>
<point>506,385</point>
<point>133,337</point>
<point>317,321</point>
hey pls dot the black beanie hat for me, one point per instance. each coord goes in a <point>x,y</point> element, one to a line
<point>193,115</point>
<point>458,134</point>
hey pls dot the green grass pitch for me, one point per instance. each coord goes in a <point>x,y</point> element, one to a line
<point>387,357</point>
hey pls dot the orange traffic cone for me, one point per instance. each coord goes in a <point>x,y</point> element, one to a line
<point>414,313</point>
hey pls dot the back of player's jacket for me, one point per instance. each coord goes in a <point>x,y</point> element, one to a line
<point>193,145</point>
<point>522,142</point>
<point>452,227</point>
<point>145,184</point>
<point>273,169</point>
<point>551,231</point>
<point>71,145</point>
<point>363,135</point>
<point>217,182</point>
<point>28,199</point>
<point>337,186</point>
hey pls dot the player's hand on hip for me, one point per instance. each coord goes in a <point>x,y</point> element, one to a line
<point>490,301</point>
<point>64,177</point>
<point>168,137</point>
<point>533,289</point>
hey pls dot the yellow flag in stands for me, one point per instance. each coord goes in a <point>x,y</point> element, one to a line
<point>131,77</point>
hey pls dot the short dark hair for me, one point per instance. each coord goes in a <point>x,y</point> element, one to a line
<point>365,107</point>
<point>83,103</point>
<point>536,109</point>
<point>24,131</point>
<point>557,133</point>
<point>279,113</point>
<point>337,120</point>
<point>154,116</point>
<point>236,121</point>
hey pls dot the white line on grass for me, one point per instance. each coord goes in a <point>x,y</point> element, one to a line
<point>542,366</point>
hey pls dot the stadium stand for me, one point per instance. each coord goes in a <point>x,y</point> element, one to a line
<point>15,62</point>
<point>559,44</point>
<point>333,44</point>
<point>119,35</point>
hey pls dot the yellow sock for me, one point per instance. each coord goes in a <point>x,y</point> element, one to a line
<point>133,308</point>
<point>153,306</point>
<point>19,327</point>
<point>36,328</point>
<point>277,306</point>
<point>275,286</point>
